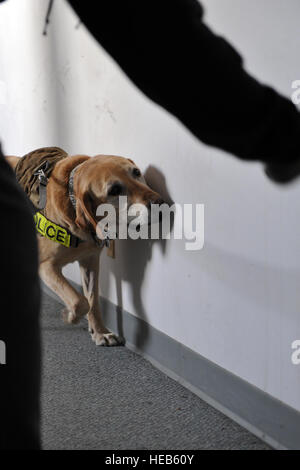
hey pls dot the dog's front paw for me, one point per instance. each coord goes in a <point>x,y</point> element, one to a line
<point>106,339</point>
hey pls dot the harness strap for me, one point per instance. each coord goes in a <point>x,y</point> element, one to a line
<point>43,181</point>
<point>54,232</point>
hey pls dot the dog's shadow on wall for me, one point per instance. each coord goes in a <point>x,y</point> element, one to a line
<point>130,265</point>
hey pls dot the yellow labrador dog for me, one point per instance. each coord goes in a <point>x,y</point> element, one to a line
<point>95,180</point>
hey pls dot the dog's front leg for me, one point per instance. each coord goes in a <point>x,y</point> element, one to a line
<point>89,268</point>
<point>77,305</point>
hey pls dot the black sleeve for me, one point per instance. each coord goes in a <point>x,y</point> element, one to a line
<point>169,53</point>
<point>19,318</point>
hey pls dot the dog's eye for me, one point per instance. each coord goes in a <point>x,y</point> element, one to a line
<point>136,173</point>
<point>115,190</point>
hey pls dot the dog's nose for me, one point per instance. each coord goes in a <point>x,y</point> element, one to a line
<point>157,201</point>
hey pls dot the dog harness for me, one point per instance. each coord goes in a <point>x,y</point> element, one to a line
<point>33,172</point>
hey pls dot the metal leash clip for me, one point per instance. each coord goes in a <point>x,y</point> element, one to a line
<point>42,177</point>
<point>43,181</point>
<point>41,173</point>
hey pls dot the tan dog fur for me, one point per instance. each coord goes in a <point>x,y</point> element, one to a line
<point>91,182</point>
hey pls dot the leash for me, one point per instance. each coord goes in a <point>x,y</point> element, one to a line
<point>47,20</point>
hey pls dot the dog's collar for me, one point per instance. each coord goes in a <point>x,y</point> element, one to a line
<point>71,187</point>
<point>98,241</point>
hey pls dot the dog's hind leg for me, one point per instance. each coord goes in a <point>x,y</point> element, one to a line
<point>77,305</point>
<point>89,268</point>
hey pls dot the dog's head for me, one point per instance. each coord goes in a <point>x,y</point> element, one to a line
<point>102,180</point>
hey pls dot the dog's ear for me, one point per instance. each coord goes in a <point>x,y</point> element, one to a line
<point>85,218</point>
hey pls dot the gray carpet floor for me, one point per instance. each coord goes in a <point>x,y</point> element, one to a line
<point>111,398</point>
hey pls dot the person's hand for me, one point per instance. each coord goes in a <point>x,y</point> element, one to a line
<point>283,173</point>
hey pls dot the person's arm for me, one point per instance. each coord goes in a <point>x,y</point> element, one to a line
<point>169,53</point>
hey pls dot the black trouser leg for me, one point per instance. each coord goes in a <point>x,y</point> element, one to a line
<point>19,318</point>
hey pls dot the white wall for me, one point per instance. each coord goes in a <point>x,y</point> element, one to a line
<point>236,302</point>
